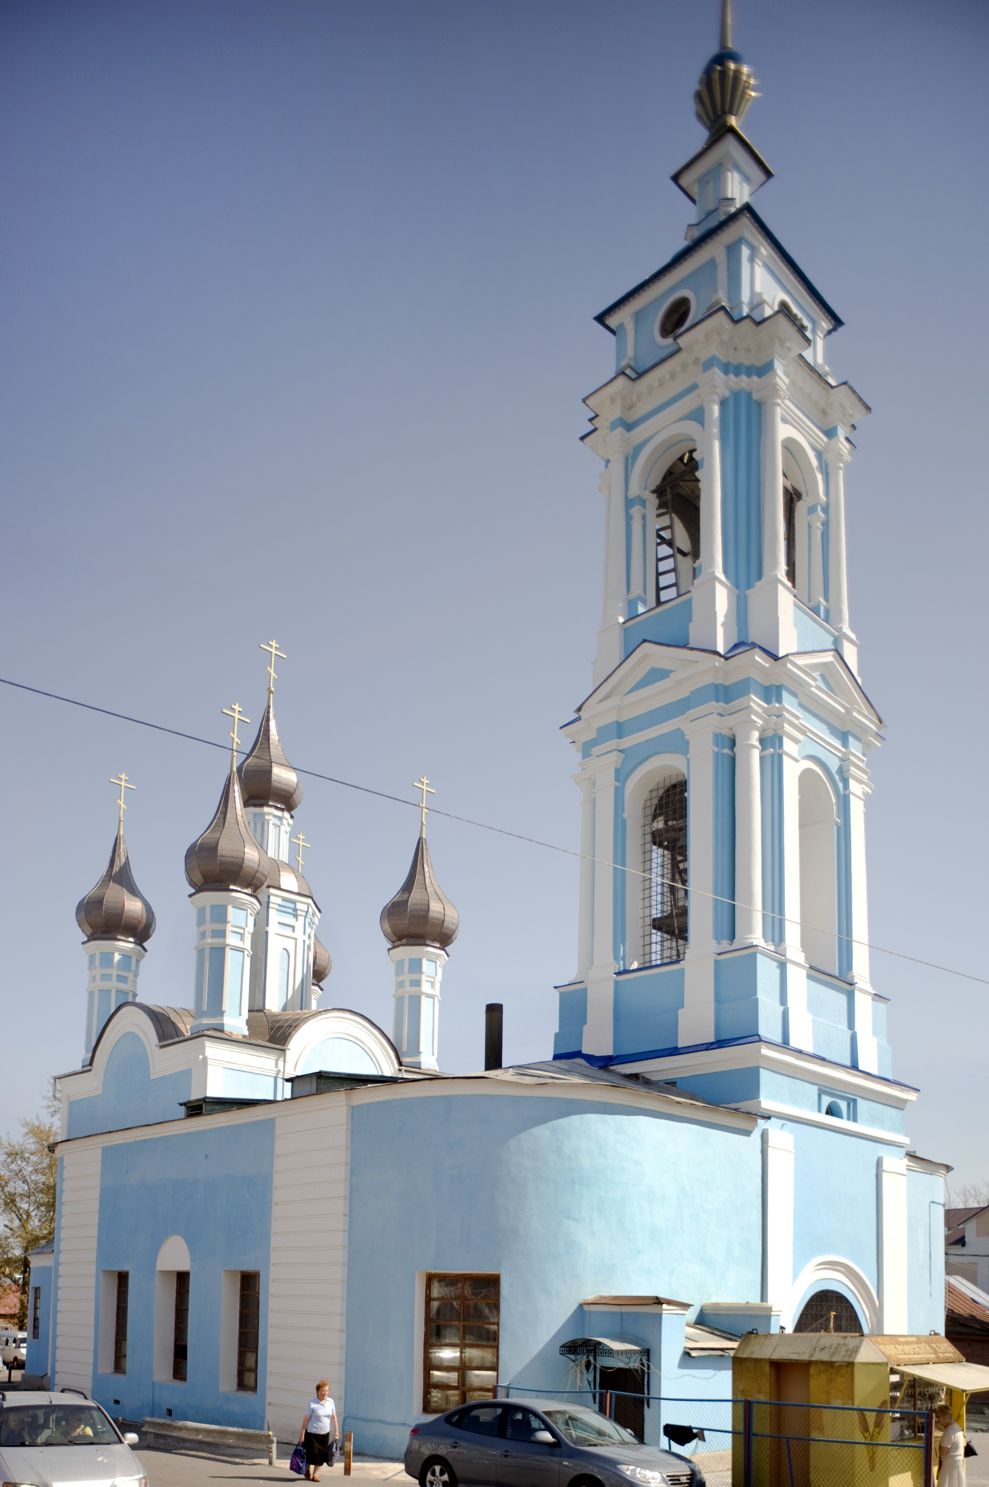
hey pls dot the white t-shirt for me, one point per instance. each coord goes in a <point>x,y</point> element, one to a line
<point>320,1417</point>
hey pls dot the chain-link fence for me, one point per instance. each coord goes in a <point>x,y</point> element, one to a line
<point>773,1443</point>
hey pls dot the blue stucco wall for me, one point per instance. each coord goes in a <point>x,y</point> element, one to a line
<point>212,1186</point>
<point>39,1348</point>
<point>129,1095</point>
<point>565,1199</point>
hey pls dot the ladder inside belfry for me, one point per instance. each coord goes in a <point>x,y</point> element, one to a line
<point>666,560</point>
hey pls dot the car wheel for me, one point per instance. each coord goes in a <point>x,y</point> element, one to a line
<point>437,1473</point>
<point>585,1482</point>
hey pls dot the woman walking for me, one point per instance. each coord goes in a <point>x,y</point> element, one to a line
<point>320,1431</point>
<point>951,1450</point>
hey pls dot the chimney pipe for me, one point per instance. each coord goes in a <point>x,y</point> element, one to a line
<point>493,1018</point>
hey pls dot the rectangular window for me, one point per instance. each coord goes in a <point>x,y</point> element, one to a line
<point>461,1340</point>
<point>180,1336</point>
<point>120,1323</point>
<point>36,1312</point>
<point>248,1318</point>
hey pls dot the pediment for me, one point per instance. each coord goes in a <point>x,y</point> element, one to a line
<point>828,672</point>
<point>650,664</point>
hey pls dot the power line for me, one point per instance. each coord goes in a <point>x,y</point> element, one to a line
<point>518,836</point>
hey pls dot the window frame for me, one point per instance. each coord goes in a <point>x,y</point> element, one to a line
<point>121,1306</point>
<point>466,1392</point>
<point>248,1331</point>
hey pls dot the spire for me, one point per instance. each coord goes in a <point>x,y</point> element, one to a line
<point>115,908</point>
<point>420,912</point>
<point>727,85</point>
<point>266,776</point>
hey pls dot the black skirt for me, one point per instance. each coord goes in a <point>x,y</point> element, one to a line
<point>318,1449</point>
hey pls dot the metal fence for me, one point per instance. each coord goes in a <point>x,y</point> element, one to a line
<point>772,1443</point>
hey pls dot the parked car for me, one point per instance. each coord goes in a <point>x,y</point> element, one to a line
<point>13,1349</point>
<point>538,1443</point>
<point>64,1438</point>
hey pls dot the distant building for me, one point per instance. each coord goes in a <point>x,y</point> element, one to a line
<point>967,1244</point>
<point>254,1192</point>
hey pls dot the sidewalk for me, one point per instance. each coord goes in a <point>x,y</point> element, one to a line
<point>189,1468</point>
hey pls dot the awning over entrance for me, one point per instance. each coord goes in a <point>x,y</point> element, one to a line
<point>970,1378</point>
<point>608,1352</point>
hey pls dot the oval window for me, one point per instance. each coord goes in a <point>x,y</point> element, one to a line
<point>674,317</point>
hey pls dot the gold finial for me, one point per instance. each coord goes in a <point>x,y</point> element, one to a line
<point>234,734</point>
<point>125,784</point>
<point>424,788</point>
<point>298,843</point>
<point>273,651</point>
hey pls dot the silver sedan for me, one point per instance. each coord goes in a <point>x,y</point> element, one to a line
<point>537,1443</point>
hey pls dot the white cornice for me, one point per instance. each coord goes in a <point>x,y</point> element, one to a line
<point>795,1113</point>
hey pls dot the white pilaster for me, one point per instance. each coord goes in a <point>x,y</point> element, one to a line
<point>711,592</point>
<point>799,1025</point>
<point>891,1177</point>
<point>586,901</point>
<point>815,596</point>
<point>599,1028</point>
<point>837,454</point>
<point>866,1043</point>
<point>639,597</point>
<point>748,834</point>
<point>696,1021</point>
<point>612,487</point>
<point>778,1159</point>
<point>771,622</point>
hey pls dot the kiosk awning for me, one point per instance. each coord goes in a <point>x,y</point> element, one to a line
<point>970,1378</point>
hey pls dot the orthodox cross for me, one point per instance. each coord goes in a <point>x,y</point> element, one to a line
<point>424,788</point>
<point>273,651</point>
<point>234,734</point>
<point>122,780</point>
<point>298,843</point>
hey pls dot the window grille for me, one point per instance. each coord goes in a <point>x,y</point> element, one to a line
<point>120,1323</point>
<point>461,1342</point>
<point>790,498</point>
<point>248,1319</point>
<point>36,1312</point>
<point>180,1339</point>
<point>664,855</point>
<point>678,526</point>
<point>828,1311</point>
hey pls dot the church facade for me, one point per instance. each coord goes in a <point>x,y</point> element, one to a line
<point>254,1192</point>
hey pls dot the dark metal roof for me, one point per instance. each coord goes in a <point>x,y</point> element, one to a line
<point>322,962</point>
<point>276,1028</point>
<point>227,854</point>
<point>420,913</point>
<point>115,908</point>
<point>698,243</point>
<point>265,774</point>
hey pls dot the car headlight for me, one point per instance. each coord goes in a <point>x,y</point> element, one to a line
<point>17,1484</point>
<point>644,1474</point>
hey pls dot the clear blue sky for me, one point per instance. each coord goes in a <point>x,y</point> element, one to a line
<point>297,317</point>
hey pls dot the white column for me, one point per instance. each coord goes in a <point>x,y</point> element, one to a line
<point>711,592</point>
<point>891,1178</point>
<point>778,1159</point>
<point>866,1050</point>
<point>696,1022</point>
<point>612,487</point>
<point>773,558</point>
<point>586,897</point>
<point>748,835</point>
<point>837,455</point>
<point>599,1028</point>
<point>639,597</point>
<point>815,596</point>
<point>799,1025</point>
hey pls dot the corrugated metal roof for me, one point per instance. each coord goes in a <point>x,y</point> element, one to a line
<point>964,1299</point>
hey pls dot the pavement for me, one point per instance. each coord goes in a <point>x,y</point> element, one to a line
<point>188,1468</point>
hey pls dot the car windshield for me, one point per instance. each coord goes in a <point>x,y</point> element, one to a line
<point>55,1425</point>
<point>583,1427</point>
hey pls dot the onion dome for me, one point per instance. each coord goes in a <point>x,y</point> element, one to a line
<point>227,855</point>
<point>115,908</point>
<point>727,84</point>
<point>286,878</point>
<point>321,962</point>
<point>420,913</point>
<point>266,776</point>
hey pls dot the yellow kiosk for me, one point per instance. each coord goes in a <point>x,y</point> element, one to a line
<point>830,1409</point>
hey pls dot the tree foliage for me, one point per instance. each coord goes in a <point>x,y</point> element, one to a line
<point>969,1195</point>
<point>27,1199</point>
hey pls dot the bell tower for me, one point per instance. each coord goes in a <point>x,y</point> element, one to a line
<point>723,777</point>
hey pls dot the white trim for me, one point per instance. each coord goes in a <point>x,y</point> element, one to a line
<point>841,1127</point>
<point>677,292</point>
<point>665,444</point>
<point>337,1022</point>
<point>820,1275</point>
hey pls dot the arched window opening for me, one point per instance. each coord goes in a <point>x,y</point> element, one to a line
<point>678,527</point>
<point>828,1311</point>
<point>818,884</point>
<point>791,498</point>
<point>664,854</point>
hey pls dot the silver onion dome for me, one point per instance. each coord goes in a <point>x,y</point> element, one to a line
<point>266,776</point>
<point>420,912</point>
<point>115,908</point>
<point>287,879</point>
<point>322,963</point>
<point>727,85</point>
<point>227,855</point>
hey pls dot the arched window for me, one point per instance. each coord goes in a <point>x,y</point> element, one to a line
<point>678,527</point>
<point>828,1311</point>
<point>791,496</point>
<point>664,855</point>
<point>818,872</point>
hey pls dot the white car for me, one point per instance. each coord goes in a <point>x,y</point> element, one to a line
<point>62,1438</point>
<point>13,1349</point>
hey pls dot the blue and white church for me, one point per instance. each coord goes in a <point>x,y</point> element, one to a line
<point>716,1142</point>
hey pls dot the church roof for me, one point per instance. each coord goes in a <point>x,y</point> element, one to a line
<point>420,912</point>
<point>266,776</point>
<point>115,908</point>
<point>227,856</point>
